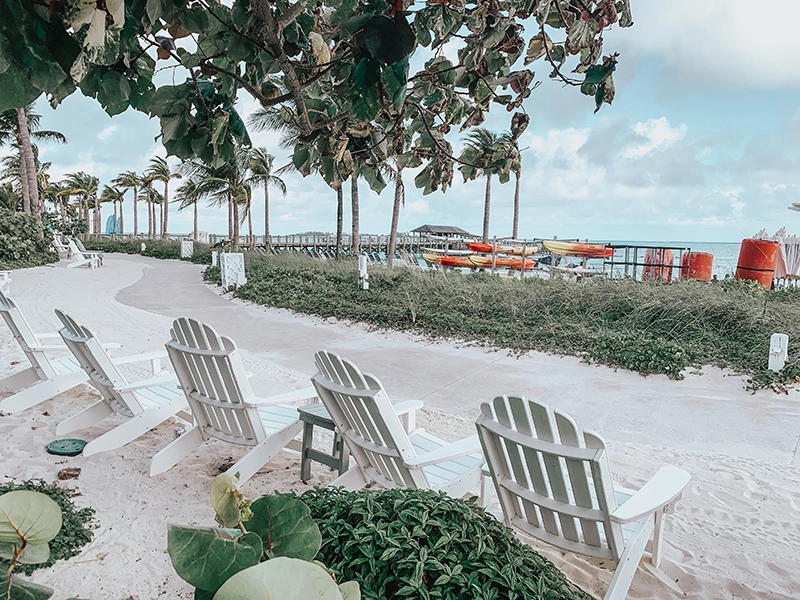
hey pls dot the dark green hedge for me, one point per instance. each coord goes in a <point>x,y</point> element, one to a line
<point>24,241</point>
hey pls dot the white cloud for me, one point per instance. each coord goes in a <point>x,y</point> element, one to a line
<point>288,217</point>
<point>107,132</point>
<point>657,134</point>
<point>729,42</point>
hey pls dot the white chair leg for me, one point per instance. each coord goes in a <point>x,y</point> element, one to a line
<point>134,427</point>
<point>351,480</point>
<point>39,392</point>
<point>628,563</point>
<point>265,451</point>
<point>176,451</point>
<point>655,555</point>
<point>20,380</point>
<point>85,418</point>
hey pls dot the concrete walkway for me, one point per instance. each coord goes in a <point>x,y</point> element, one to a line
<point>133,300</point>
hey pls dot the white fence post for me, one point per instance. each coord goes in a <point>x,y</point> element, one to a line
<point>214,255</point>
<point>363,276</point>
<point>778,349</point>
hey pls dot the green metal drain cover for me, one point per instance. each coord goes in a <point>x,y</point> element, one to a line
<point>68,447</point>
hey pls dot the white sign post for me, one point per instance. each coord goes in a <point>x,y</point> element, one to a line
<point>187,248</point>
<point>778,350</point>
<point>232,270</point>
<point>363,276</point>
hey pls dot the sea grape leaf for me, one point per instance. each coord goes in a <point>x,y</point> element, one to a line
<point>28,516</point>
<point>394,78</point>
<point>286,526</point>
<point>228,502</point>
<point>206,557</point>
<point>281,578</point>
<point>31,555</point>
<point>22,590</point>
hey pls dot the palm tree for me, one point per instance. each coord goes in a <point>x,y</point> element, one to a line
<point>85,187</point>
<point>260,166</point>
<point>22,126</point>
<point>9,199</point>
<point>159,170</point>
<point>129,180</point>
<point>188,195</point>
<point>113,195</point>
<point>151,197</point>
<point>481,148</point>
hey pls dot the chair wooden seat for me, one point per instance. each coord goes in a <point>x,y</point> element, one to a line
<point>214,381</point>
<point>383,450</point>
<point>554,483</point>
<point>146,403</point>
<point>47,376</point>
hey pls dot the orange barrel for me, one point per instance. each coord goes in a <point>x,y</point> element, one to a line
<point>697,265</point>
<point>757,261</point>
<point>657,264</point>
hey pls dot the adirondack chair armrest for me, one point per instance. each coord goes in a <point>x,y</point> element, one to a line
<point>660,492</point>
<point>308,393</point>
<point>163,379</point>
<point>123,360</point>
<point>45,348</point>
<point>402,408</point>
<point>110,345</point>
<point>469,445</point>
<point>44,336</point>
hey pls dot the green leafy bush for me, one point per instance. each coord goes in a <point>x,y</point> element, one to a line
<point>423,544</point>
<point>24,241</point>
<point>76,530</point>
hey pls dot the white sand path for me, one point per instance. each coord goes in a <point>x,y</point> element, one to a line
<point>735,533</point>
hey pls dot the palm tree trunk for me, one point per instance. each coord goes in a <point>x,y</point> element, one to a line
<point>165,230</point>
<point>235,225</point>
<point>399,194</point>
<point>355,241</point>
<point>26,157</point>
<point>515,228</point>
<point>64,208</point>
<point>267,244</point>
<point>149,219</point>
<point>161,220</point>
<point>135,212</point>
<point>487,202</point>
<point>339,220</point>
<point>23,183</point>
<point>230,219</point>
<point>194,233</point>
<point>114,230</point>
<point>250,227</point>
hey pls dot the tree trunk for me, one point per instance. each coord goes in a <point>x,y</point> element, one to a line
<point>26,158</point>
<point>64,208</point>
<point>165,229</point>
<point>87,215</point>
<point>267,244</point>
<point>194,234</point>
<point>399,196</point>
<point>135,212</point>
<point>114,230</point>
<point>339,220</point>
<point>487,202</point>
<point>250,240</point>
<point>235,225</point>
<point>230,220</point>
<point>149,219</point>
<point>355,241</point>
<point>23,184</point>
<point>515,228</point>
<point>121,220</point>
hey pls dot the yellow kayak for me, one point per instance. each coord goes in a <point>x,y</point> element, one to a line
<point>578,249</point>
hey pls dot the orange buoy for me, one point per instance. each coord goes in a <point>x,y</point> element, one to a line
<point>697,265</point>
<point>658,264</point>
<point>757,260</point>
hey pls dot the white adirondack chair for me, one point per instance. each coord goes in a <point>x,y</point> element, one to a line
<point>384,452</point>
<point>47,376</point>
<point>83,257</point>
<point>98,253</point>
<point>222,402</point>
<point>554,483</point>
<point>60,247</point>
<point>146,403</point>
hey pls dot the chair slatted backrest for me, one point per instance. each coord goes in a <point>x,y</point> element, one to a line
<point>550,484</point>
<point>102,372</point>
<point>210,371</point>
<point>363,414</point>
<point>26,338</point>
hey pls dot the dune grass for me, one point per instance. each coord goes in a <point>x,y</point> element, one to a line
<point>645,327</point>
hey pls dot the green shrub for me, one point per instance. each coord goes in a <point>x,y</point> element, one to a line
<point>24,241</point>
<point>76,529</point>
<point>164,249</point>
<point>423,544</point>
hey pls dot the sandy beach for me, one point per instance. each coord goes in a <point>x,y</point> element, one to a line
<point>735,533</point>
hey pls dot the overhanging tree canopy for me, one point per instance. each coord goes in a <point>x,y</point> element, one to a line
<point>338,69</point>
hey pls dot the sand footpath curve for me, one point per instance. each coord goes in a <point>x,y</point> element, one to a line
<point>735,533</point>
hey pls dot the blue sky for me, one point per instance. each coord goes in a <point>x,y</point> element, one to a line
<point>702,142</point>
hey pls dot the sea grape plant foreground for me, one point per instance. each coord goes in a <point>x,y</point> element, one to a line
<point>336,70</point>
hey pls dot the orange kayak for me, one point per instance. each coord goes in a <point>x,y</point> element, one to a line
<point>578,249</point>
<point>489,248</point>
<point>501,262</point>
<point>448,261</point>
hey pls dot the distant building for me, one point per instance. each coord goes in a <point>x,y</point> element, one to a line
<point>443,231</point>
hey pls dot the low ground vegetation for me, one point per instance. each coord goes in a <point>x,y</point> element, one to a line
<point>646,327</point>
<point>153,248</point>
